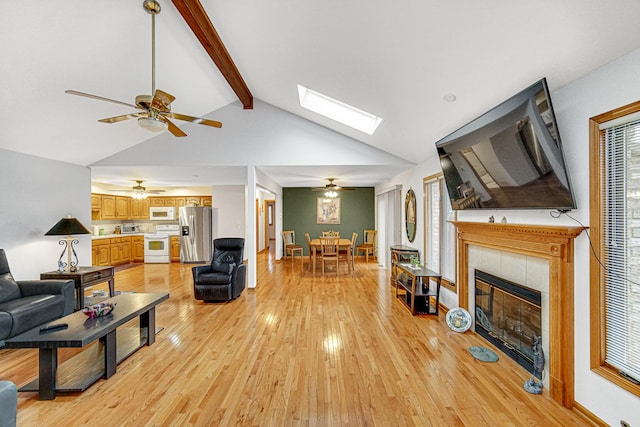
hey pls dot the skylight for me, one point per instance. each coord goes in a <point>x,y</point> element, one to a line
<point>338,111</point>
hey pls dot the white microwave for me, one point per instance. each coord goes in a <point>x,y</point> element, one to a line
<point>161,213</point>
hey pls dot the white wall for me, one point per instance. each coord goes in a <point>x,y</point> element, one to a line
<point>609,87</point>
<point>230,201</point>
<point>36,194</point>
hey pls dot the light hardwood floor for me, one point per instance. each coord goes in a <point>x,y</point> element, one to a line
<point>296,351</point>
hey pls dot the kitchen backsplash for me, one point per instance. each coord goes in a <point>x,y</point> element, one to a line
<point>109,226</point>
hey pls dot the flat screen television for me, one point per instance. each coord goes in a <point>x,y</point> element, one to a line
<point>508,158</point>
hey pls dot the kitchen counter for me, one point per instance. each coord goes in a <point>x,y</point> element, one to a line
<point>111,236</point>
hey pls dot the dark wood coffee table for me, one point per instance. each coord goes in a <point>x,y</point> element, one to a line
<point>97,361</point>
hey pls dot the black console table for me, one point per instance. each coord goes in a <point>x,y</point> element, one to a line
<point>401,253</point>
<point>414,284</point>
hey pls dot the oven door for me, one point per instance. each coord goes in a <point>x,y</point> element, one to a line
<point>156,248</point>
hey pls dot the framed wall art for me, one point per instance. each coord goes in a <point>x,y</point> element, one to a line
<point>328,210</point>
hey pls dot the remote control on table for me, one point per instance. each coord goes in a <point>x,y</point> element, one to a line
<point>56,327</point>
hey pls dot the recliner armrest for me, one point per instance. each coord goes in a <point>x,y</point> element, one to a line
<point>239,276</point>
<point>50,286</point>
<point>199,269</point>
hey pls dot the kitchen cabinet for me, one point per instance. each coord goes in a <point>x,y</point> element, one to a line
<point>137,245</point>
<point>96,202</point>
<point>139,209</point>
<point>175,248</point>
<point>110,207</point>
<point>114,207</point>
<point>120,250</point>
<point>101,252</point>
<point>122,207</point>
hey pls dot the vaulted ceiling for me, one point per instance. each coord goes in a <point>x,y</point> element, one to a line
<point>395,59</point>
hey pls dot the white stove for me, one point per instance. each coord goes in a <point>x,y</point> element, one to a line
<point>157,245</point>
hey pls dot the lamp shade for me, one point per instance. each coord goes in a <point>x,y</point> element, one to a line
<point>66,227</point>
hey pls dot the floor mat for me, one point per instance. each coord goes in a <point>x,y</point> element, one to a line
<point>483,354</point>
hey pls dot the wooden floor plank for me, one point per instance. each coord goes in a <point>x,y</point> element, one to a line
<point>298,350</point>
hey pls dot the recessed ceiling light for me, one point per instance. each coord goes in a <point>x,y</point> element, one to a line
<point>338,111</point>
<point>449,97</point>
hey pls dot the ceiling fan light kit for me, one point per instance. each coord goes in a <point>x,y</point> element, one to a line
<point>156,108</point>
<point>331,190</point>
<point>151,124</point>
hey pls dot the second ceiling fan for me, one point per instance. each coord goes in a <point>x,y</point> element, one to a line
<point>157,108</point>
<point>331,189</point>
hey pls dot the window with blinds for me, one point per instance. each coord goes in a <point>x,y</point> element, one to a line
<point>440,238</point>
<point>615,232</point>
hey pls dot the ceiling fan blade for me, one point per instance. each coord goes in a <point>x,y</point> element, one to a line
<point>197,120</point>
<point>175,130</point>
<point>161,100</point>
<point>122,117</point>
<point>99,98</point>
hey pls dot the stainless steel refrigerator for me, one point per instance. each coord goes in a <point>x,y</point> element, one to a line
<point>196,237</point>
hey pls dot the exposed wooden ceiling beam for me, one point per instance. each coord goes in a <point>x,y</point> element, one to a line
<point>195,16</point>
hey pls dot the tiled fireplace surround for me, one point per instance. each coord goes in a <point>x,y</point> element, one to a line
<point>541,258</point>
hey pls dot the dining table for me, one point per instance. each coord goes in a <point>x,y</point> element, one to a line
<point>315,247</point>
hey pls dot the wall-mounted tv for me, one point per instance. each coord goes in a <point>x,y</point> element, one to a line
<point>508,158</point>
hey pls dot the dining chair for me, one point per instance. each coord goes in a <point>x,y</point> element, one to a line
<point>369,245</point>
<point>352,250</point>
<point>329,252</point>
<point>290,247</point>
<point>309,248</point>
<point>348,252</point>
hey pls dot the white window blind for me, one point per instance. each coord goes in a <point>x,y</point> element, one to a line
<point>620,216</point>
<point>440,245</point>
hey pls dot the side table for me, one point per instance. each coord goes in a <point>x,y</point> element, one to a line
<point>415,282</point>
<point>400,253</point>
<point>84,277</point>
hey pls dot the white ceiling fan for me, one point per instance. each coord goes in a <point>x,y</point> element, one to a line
<point>156,109</point>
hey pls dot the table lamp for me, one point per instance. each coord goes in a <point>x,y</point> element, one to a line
<point>67,227</point>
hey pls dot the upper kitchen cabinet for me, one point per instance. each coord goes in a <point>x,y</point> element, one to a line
<point>156,201</point>
<point>114,207</point>
<point>139,209</point>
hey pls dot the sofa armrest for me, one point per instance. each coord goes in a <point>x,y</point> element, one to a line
<point>8,403</point>
<point>53,287</point>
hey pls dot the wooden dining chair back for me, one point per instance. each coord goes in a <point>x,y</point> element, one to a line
<point>290,247</point>
<point>329,252</point>
<point>369,245</point>
<point>351,253</point>
<point>309,248</point>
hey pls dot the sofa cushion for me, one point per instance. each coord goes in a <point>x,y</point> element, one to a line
<point>29,312</point>
<point>9,289</point>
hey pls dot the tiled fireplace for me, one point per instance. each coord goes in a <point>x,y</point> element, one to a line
<point>540,258</point>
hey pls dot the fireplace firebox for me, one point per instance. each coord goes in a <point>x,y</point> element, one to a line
<point>509,316</point>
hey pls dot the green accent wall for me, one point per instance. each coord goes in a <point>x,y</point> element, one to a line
<point>357,213</point>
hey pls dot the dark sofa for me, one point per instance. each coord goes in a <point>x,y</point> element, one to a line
<point>26,304</point>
